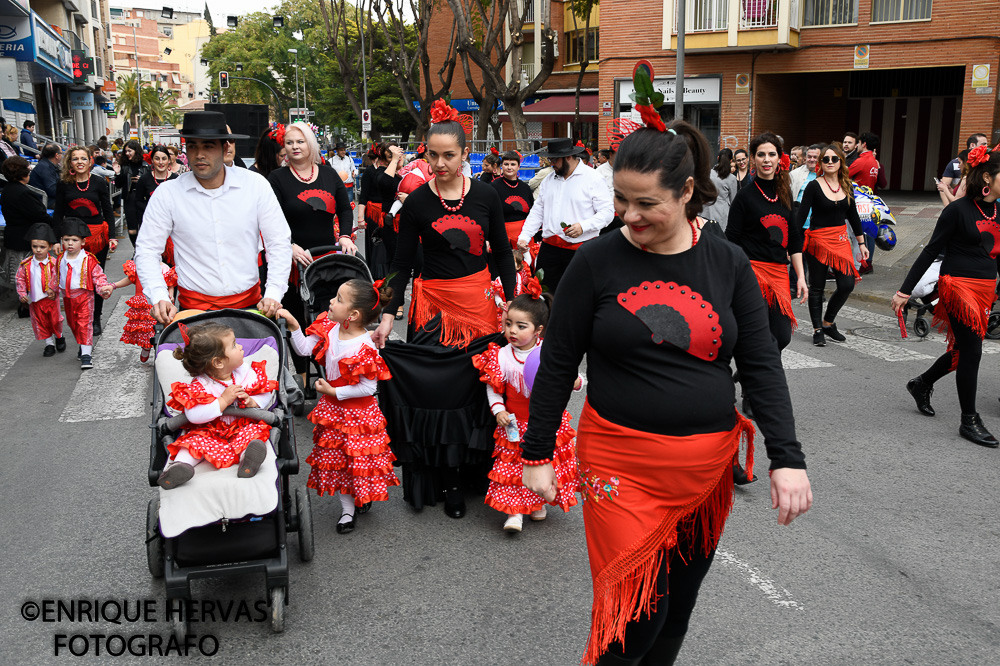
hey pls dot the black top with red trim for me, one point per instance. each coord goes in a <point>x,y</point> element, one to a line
<point>764,229</point>
<point>93,205</point>
<point>970,242</point>
<point>659,332</point>
<point>517,200</point>
<point>316,212</point>
<point>369,188</point>
<point>453,243</point>
<point>825,211</point>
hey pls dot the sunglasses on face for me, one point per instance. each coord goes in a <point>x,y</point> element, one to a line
<point>830,159</point>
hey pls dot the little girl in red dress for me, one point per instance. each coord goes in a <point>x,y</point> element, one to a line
<point>222,378</point>
<point>352,453</point>
<point>139,327</point>
<point>502,370</point>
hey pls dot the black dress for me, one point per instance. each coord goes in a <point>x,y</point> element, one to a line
<point>21,208</point>
<point>128,188</point>
<point>144,189</point>
<point>376,255</point>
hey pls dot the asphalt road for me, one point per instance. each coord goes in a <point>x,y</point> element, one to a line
<point>896,564</point>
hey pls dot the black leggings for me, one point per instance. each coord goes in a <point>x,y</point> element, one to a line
<point>781,327</point>
<point>963,358</point>
<point>673,611</point>
<point>817,285</point>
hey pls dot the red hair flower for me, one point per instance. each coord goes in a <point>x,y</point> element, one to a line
<point>184,334</point>
<point>785,163</point>
<point>441,112</point>
<point>532,287</point>
<point>421,148</point>
<point>277,133</point>
<point>978,155</point>
<point>651,117</point>
<point>494,151</point>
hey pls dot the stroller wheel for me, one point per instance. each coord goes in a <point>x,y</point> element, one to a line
<point>154,542</point>
<point>303,509</point>
<point>920,327</point>
<point>993,326</point>
<point>277,609</point>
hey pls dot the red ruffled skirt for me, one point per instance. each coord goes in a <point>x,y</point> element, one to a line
<point>352,453</point>
<point>507,492</point>
<point>220,443</point>
<point>139,322</point>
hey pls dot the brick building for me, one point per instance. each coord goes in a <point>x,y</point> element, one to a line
<point>911,71</point>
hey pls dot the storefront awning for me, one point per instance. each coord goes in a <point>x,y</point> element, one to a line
<point>18,106</point>
<point>560,108</point>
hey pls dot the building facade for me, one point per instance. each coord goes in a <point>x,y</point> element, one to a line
<point>921,74</point>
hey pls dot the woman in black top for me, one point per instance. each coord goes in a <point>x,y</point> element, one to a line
<point>316,206</point>
<point>742,172</point>
<point>438,416</point>
<point>270,152</point>
<point>21,207</point>
<point>132,166</point>
<point>88,197</point>
<point>491,165</point>
<point>150,180</point>
<point>830,199</point>
<point>659,333</point>
<point>375,200</point>
<point>969,235</point>
<point>515,195</point>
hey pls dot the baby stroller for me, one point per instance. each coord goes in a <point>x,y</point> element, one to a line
<point>217,524</point>
<point>923,298</point>
<point>319,283</point>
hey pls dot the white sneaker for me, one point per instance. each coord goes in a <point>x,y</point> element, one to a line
<point>538,515</point>
<point>513,523</point>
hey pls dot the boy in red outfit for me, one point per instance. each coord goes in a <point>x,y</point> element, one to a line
<point>79,274</point>
<point>37,284</point>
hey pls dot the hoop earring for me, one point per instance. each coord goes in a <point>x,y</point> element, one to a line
<point>986,191</point>
<point>346,323</point>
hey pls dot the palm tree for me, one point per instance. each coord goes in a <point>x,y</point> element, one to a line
<point>128,100</point>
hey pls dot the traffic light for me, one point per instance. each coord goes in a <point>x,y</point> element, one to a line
<point>223,80</point>
<point>215,98</point>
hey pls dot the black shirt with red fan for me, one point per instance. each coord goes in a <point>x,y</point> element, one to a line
<point>659,332</point>
<point>969,239</point>
<point>453,243</point>
<point>765,229</point>
<point>517,200</point>
<point>92,205</point>
<point>314,209</point>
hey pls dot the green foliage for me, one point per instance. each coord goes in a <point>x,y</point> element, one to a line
<point>155,103</point>
<point>645,93</point>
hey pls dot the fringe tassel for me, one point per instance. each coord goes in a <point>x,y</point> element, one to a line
<point>457,330</point>
<point>960,302</point>
<point>834,260</point>
<point>775,300</point>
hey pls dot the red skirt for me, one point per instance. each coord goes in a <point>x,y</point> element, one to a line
<point>969,300</point>
<point>831,247</point>
<point>773,281</point>
<point>220,443</point>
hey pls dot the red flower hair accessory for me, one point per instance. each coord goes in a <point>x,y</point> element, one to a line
<point>441,112</point>
<point>532,287</point>
<point>785,163</point>
<point>421,148</point>
<point>277,133</point>
<point>184,334</point>
<point>520,157</point>
<point>978,155</point>
<point>494,151</point>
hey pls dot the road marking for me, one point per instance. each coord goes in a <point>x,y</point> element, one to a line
<point>778,596</point>
<point>868,317</point>
<point>792,360</point>
<point>880,350</point>
<point>118,385</point>
<point>15,337</point>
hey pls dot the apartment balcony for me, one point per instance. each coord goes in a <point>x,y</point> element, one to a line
<point>746,25</point>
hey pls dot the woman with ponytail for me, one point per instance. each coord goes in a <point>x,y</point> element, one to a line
<point>656,457</point>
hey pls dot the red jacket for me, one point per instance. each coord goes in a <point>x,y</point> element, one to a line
<point>864,170</point>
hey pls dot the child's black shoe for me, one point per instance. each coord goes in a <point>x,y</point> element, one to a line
<point>252,459</point>
<point>50,350</point>
<point>60,345</point>
<point>175,475</point>
<point>85,362</point>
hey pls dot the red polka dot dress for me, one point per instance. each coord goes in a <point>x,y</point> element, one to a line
<point>220,440</point>
<point>502,370</point>
<point>351,453</point>
<point>139,322</point>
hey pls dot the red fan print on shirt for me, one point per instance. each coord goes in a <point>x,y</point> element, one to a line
<point>676,314</point>
<point>777,228</point>
<point>989,234</point>
<point>461,232</point>
<point>518,203</point>
<point>86,204</point>
<point>320,200</point>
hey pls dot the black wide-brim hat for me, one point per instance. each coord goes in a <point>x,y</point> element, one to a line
<point>207,125</point>
<point>561,148</point>
<point>43,232</point>
<point>74,226</point>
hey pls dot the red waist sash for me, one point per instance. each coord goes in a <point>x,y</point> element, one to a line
<point>466,305</point>
<point>193,300</point>
<point>773,281</point>
<point>557,241</point>
<point>832,247</point>
<point>969,300</point>
<point>373,213</point>
<point>98,239</point>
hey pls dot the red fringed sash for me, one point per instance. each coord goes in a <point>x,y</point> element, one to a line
<point>641,489</point>
<point>466,304</point>
<point>773,281</point>
<point>373,214</point>
<point>967,299</point>
<point>831,247</point>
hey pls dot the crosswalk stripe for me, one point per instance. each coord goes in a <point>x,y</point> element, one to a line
<point>15,336</point>
<point>117,386</point>
<point>868,317</point>
<point>793,360</point>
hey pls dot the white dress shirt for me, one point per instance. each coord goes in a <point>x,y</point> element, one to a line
<point>582,198</point>
<point>35,291</point>
<point>608,172</point>
<point>65,264</point>
<point>345,163</point>
<point>216,236</point>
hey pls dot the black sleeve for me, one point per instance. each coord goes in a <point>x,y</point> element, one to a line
<point>567,339</point>
<point>853,217</point>
<point>503,255</point>
<point>121,179</point>
<point>794,236</point>
<point>387,186</point>
<point>806,205</point>
<point>59,205</point>
<point>141,196</point>
<point>33,211</point>
<point>407,242</point>
<point>107,210</point>
<point>345,214</point>
<point>276,186</point>
<point>737,217</point>
<point>759,363</point>
<point>366,184</point>
<point>943,231</point>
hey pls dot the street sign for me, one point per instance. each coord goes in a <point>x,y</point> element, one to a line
<point>366,120</point>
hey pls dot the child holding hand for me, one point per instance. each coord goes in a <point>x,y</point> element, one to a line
<point>79,274</point>
<point>222,377</point>
<point>502,370</point>
<point>37,283</point>
<point>139,323</point>
<point>352,453</point>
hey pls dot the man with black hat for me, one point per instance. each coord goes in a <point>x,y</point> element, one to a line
<point>216,217</point>
<point>344,165</point>
<point>572,206</point>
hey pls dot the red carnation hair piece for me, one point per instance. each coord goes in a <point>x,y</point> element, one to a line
<point>421,148</point>
<point>494,151</point>
<point>978,155</point>
<point>532,287</point>
<point>785,163</point>
<point>441,112</point>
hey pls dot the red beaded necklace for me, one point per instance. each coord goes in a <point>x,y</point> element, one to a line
<point>312,170</point>
<point>448,208</point>
<point>159,182</point>
<point>83,189</point>
<point>988,217</point>
<point>763,193</point>
<point>832,191</point>
<point>694,236</point>
<point>507,183</point>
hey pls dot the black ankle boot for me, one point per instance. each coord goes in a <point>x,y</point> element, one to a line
<point>454,503</point>
<point>972,429</point>
<point>922,392</point>
<point>664,651</point>
<point>740,477</point>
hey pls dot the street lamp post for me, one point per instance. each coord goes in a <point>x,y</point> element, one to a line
<point>305,100</point>
<point>296,52</point>
<point>138,86</point>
